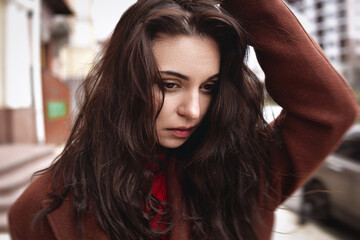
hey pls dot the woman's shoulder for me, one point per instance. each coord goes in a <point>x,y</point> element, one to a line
<point>27,206</point>
<point>58,224</point>
<point>33,195</point>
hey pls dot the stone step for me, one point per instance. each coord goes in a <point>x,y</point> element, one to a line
<point>14,155</point>
<point>18,177</point>
<point>4,222</point>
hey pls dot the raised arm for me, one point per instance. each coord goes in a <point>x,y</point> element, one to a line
<point>318,104</point>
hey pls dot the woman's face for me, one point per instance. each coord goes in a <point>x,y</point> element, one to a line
<point>189,66</point>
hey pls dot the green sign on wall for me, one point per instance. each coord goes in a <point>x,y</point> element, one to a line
<point>56,109</point>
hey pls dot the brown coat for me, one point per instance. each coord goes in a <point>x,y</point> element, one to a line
<point>318,109</point>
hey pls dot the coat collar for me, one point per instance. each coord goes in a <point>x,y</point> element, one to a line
<point>63,224</point>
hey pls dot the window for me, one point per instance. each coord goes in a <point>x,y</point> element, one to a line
<point>343,43</point>
<point>342,13</point>
<point>294,1</point>
<point>319,5</point>
<point>320,33</point>
<point>343,57</point>
<point>342,28</point>
<point>319,19</point>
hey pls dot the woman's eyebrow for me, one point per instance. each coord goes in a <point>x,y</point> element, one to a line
<point>175,74</point>
<point>179,75</point>
<point>213,77</point>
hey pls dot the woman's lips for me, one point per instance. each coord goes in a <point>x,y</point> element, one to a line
<point>181,132</point>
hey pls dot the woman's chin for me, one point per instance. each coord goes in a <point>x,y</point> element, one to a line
<point>172,143</point>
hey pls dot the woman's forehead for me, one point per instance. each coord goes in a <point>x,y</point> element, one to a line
<point>189,55</point>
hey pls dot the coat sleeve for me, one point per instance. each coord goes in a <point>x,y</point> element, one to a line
<point>318,106</point>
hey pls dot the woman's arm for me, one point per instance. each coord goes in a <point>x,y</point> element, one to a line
<point>318,104</point>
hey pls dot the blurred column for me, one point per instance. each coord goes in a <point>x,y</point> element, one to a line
<point>36,72</point>
<point>18,77</point>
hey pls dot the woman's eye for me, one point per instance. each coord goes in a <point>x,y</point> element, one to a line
<point>209,87</point>
<point>169,85</point>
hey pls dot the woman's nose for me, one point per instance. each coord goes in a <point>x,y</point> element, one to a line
<point>190,106</point>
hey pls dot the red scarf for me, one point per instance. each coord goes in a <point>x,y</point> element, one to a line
<point>159,191</point>
<point>167,189</point>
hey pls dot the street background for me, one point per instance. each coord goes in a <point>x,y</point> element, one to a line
<point>48,46</point>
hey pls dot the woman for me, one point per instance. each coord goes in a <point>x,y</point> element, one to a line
<point>170,142</point>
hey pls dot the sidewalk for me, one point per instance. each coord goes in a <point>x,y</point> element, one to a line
<point>4,236</point>
<point>287,228</point>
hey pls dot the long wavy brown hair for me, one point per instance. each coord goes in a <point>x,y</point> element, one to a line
<point>104,165</point>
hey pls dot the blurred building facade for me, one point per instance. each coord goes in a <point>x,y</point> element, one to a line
<point>46,48</point>
<point>31,32</point>
<point>336,27</point>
